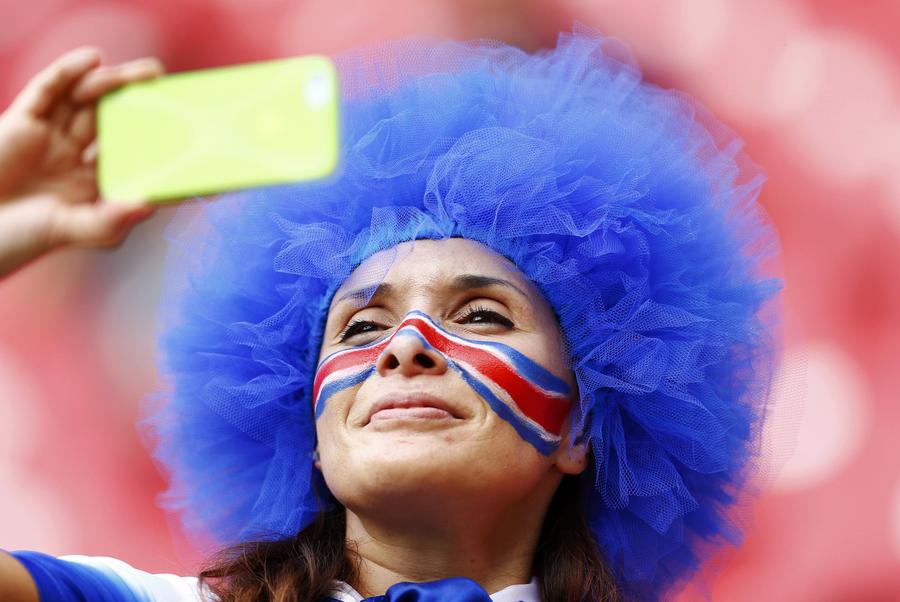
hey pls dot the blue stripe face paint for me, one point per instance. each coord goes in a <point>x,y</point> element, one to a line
<point>518,389</point>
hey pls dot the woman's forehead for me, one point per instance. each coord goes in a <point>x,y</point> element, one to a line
<point>434,265</point>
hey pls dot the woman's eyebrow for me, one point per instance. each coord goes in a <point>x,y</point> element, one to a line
<point>461,282</point>
<point>469,281</point>
<point>362,295</point>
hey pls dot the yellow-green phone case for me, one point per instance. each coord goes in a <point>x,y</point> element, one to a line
<point>204,132</point>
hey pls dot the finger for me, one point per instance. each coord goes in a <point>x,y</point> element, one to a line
<point>60,115</point>
<point>106,79</point>
<point>100,224</point>
<point>42,92</point>
<point>83,127</point>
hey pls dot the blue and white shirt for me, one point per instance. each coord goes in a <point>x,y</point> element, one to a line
<point>104,579</point>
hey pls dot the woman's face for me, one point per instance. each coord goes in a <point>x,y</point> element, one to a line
<point>450,379</point>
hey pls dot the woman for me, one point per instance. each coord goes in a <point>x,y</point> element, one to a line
<point>518,347</point>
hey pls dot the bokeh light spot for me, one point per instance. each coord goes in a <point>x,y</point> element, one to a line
<point>833,424</point>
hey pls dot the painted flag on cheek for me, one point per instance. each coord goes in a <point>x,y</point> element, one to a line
<point>521,391</point>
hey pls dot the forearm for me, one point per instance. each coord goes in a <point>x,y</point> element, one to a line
<point>16,584</point>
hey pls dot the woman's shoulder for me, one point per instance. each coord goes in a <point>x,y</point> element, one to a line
<point>102,578</point>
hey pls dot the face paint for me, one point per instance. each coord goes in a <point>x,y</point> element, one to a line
<point>521,391</point>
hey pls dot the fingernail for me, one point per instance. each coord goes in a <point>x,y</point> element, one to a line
<point>144,63</point>
<point>130,205</point>
<point>85,53</point>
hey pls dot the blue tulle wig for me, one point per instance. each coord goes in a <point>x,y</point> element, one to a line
<point>631,209</point>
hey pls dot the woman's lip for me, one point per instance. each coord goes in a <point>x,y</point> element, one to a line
<point>411,406</point>
<point>416,413</point>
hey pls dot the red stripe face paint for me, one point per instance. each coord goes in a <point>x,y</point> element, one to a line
<point>521,391</point>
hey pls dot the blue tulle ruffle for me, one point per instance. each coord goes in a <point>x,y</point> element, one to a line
<point>629,206</point>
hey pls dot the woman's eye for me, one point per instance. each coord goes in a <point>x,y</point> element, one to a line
<point>486,315</point>
<point>474,315</point>
<point>356,327</point>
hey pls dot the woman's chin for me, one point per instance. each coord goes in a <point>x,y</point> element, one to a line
<point>415,449</point>
<point>414,461</point>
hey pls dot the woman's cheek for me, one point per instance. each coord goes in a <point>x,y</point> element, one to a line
<point>331,454</point>
<point>327,434</point>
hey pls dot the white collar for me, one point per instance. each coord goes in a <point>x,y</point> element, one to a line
<point>523,592</point>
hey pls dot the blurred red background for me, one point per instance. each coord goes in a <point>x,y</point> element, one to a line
<point>812,86</point>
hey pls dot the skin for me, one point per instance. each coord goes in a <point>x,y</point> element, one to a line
<point>430,495</point>
<point>48,172</point>
<point>48,187</point>
<point>16,584</point>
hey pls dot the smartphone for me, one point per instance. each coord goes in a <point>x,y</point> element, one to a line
<point>203,132</point>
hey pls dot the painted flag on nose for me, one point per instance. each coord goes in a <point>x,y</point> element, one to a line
<point>521,391</point>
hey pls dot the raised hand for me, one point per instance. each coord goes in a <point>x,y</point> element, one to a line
<point>48,173</point>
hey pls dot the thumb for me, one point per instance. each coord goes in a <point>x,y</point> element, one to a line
<point>102,224</point>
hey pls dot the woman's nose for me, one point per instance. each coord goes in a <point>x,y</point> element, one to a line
<point>408,354</point>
